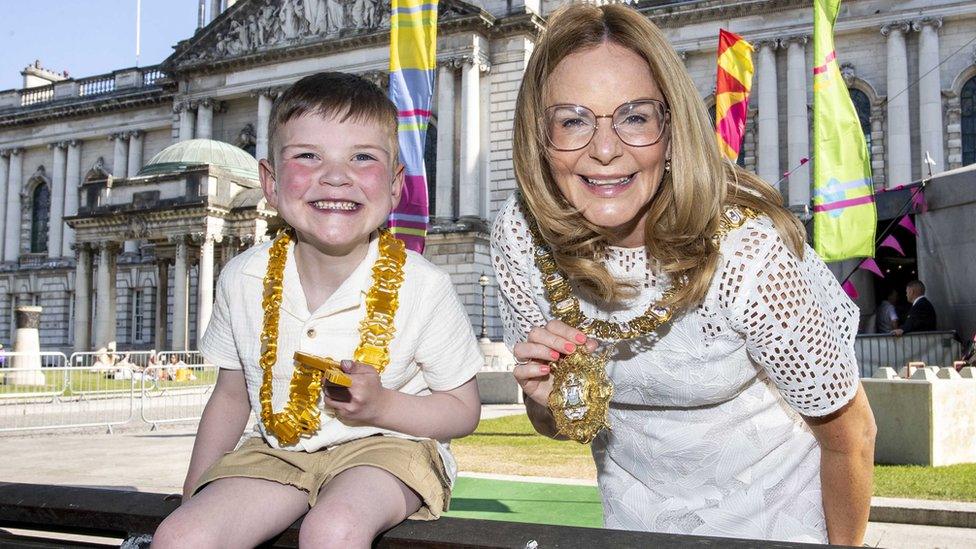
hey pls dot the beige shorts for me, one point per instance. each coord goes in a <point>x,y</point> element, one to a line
<point>416,463</point>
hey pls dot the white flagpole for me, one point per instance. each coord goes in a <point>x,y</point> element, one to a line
<point>138,27</point>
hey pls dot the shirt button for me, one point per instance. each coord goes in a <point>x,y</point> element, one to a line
<point>310,333</point>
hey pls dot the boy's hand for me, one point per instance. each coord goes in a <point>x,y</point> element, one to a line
<point>363,402</point>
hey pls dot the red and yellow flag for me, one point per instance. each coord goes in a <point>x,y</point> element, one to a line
<point>732,92</point>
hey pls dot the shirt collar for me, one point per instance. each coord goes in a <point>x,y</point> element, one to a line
<point>917,298</point>
<point>348,295</point>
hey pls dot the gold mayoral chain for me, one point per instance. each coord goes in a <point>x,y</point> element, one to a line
<point>300,416</point>
<point>581,390</point>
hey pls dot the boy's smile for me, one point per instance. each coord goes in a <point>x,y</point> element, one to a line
<point>334,181</point>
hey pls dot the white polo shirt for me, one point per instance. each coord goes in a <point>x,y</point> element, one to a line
<point>434,346</point>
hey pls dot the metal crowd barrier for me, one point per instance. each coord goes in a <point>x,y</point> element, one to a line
<point>875,351</point>
<point>170,394</point>
<point>40,391</point>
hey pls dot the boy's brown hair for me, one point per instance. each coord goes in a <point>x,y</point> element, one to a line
<point>333,94</point>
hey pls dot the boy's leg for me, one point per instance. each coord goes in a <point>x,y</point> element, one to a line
<point>355,506</point>
<point>232,512</point>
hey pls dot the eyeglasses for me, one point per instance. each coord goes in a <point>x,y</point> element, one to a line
<point>638,123</point>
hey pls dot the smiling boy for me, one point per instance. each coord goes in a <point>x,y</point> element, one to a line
<point>356,459</point>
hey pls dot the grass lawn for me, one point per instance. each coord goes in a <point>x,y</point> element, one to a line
<point>84,381</point>
<point>510,446</point>
<point>952,482</point>
<point>526,502</point>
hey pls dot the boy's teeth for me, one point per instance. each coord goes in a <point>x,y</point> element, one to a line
<point>334,205</point>
<point>617,181</point>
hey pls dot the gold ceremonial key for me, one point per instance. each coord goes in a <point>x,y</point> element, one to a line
<point>580,397</point>
<point>331,371</point>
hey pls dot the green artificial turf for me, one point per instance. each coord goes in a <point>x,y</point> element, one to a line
<point>532,502</point>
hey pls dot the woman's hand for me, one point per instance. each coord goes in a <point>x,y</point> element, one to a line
<point>544,345</point>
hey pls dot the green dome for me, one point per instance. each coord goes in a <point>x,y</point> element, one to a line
<point>194,152</point>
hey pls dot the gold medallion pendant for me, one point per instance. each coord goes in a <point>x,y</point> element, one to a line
<point>580,397</point>
<point>581,392</point>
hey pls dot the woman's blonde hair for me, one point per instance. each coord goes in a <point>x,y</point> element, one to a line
<point>685,212</point>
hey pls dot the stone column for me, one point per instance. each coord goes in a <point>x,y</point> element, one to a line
<point>83,299</point>
<point>135,153</point>
<point>4,173</point>
<point>265,98</point>
<point>930,95</point>
<point>205,285</point>
<point>72,186</point>
<point>11,234</point>
<point>469,193</point>
<point>58,174</point>
<point>798,126</point>
<point>120,160</point>
<point>484,156</point>
<point>105,289</point>
<point>184,109</point>
<point>899,143</point>
<point>205,118</point>
<point>214,10</point>
<point>444,195</point>
<point>27,340</point>
<point>162,291</point>
<point>180,295</point>
<point>767,95</point>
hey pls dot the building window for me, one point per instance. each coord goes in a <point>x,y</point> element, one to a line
<point>741,161</point>
<point>968,104</point>
<point>40,218</point>
<point>137,316</point>
<point>863,107</point>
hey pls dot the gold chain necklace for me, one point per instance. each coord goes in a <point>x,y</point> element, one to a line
<point>300,416</point>
<point>581,392</point>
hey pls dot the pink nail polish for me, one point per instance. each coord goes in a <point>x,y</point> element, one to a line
<point>554,355</point>
<point>581,338</point>
<point>544,369</point>
<point>569,347</point>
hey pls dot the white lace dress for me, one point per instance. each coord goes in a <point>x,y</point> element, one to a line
<point>706,434</point>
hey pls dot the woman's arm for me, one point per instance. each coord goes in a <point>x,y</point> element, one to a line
<point>221,425</point>
<point>846,440</point>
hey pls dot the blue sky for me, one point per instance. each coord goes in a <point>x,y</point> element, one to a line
<point>88,37</point>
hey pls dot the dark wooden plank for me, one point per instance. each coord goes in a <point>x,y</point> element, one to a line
<point>119,513</point>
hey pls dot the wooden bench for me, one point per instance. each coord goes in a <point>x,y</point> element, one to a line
<point>48,510</point>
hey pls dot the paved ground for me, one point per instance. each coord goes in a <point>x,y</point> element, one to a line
<point>137,459</point>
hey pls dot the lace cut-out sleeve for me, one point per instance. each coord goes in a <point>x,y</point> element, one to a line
<point>798,323</point>
<point>511,256</point>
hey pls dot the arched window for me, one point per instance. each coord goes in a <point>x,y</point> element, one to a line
<point>968,103</point>
<point>863,107</point>
<point>742,150</point>
<point>40,218</point>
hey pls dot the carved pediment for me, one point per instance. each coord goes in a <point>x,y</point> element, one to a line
<point>255,27</point>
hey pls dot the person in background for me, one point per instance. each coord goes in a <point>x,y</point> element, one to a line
<point>921,317</point>
<point>887,315</point>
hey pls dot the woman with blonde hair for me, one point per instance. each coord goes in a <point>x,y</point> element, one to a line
<point>653,288</point>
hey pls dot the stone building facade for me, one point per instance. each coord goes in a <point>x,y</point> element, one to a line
<point>134,274</point>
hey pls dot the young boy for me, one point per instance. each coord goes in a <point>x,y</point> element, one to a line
<point>371,457</point>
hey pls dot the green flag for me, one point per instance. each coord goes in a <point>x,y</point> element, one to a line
<point>844,216</point>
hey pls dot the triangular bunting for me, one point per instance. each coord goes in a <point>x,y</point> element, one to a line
<point>891,242</point>
<point>870,264</point>
<point>850,289</point>
<point>907,223</point>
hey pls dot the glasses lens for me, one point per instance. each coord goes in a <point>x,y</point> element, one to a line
<point>640,123</point>
<point>569,127</point>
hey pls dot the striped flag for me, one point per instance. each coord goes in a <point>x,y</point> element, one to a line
<point>413,59</point>
<point>844,216</point>
<point>732,92</point>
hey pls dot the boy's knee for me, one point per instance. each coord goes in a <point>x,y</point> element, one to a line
<point>340,529</point>
<point>180,530</point>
